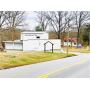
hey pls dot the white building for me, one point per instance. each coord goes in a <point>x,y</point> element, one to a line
<point>32,41</point>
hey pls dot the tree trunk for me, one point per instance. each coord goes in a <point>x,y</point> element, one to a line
<point>58,35</point>
<point>1,40</point>
<point>78,37</point>
<point>13,33</point>
<point>89,40</point>
<point>59,31</point>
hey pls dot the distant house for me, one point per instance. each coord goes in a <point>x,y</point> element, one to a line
<point>70,41</point>
<point>32,41</point>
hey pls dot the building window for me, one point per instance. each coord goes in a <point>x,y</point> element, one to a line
<point>74,43</point>
<point>65,40</point>
<point>38,37</point>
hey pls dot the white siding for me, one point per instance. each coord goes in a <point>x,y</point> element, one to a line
<point>13,46</point>
<point>9,46</point>
<point>38,45</point>
<point>33,35</point>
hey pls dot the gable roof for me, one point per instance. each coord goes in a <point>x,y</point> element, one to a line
<point>48,42</point>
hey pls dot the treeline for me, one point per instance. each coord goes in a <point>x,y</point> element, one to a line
<point>9,22</point>
<point>6,35</point>
<point>62,21</point>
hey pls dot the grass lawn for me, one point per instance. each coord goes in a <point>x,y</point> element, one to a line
<point>13,59</point>
<point>81,50</point>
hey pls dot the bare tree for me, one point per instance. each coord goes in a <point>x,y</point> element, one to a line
<point>3,19</point>
<point>69,20</point>
<point>55,19</point>
<point>42,20</point>
<point>80,18</point>
<point>59,21</point>
<point>14,19</point>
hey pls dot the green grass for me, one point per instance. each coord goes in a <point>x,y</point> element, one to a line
<point>14,59</point>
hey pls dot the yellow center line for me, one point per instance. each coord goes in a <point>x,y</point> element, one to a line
<point>60,69</point>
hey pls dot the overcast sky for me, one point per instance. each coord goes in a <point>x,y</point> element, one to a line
<point>30,20</point>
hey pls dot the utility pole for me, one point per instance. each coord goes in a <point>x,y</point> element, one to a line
<point>68,38</point>
<point>68,42</point>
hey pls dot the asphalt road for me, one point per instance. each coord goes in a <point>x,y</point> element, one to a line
<point>71,67</point>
